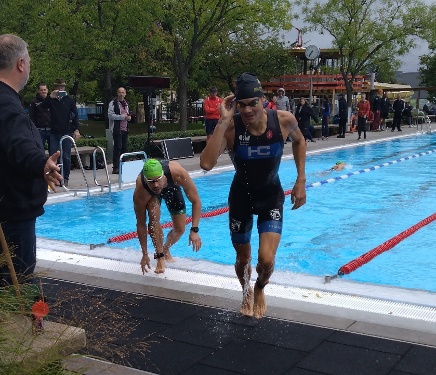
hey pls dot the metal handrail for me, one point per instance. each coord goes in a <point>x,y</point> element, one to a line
<point>98,148</point>
<point>427,125</point>
<point>80,163</point>
<point>120,178</point>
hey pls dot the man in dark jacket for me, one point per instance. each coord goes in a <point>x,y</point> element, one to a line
<point>376,110</point>
<point>64,120</point>
<point>343,115</point>
<point>24,168</point>
<point>384,112</point>
<point>40,115</point>
<point>398,108</point>
<point>303,113</point>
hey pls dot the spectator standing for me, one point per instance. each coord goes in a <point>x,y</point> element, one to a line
<point>157,181</point>
<point>376,110</point>
<point>326,110</point>
<point>40,115</point>
<point>398,106</point>
<point>283,101</point>
<point>362,115</point>
<point>425,109</point>
<point>25,168</point>
<point>303,113</point>
<point>407,113</point>
<point>272,104</point>
<point>384,111</point>
<point>255,140</point>
<point>212,105</point>
<point>343,115</point>
<point>64,120</point>
<point>119,117</point>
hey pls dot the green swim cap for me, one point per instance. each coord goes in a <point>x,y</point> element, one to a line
<point>152,169</point>
<point>339,162</point>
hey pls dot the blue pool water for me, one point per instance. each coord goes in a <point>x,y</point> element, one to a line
<point>341,220</point>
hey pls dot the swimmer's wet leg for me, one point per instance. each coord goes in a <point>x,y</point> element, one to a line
<point>243,272</point>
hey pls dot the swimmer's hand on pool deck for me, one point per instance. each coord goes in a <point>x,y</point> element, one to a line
<point>52,171</point>
<point>145,261</point>
<point>195,239</point>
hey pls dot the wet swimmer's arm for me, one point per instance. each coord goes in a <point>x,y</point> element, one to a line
<point>218,142</point>
<point>298,195</point>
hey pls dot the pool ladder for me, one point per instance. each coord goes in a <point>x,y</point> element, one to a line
<point>98,148</point>
<point>129,169</point>
<point>427,122</point>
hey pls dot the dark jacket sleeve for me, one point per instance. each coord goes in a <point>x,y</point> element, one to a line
<point>32,112</point>
<point>75,115</point>
<point>312,114</point>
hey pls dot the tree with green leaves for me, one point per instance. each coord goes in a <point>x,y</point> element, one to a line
<point>427,62</point>
<point>186,27</point>
<point>92,44</point>
<point>264,55</point>
<point>367,33</point>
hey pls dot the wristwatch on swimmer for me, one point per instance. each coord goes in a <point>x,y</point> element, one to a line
<point>195,229</point>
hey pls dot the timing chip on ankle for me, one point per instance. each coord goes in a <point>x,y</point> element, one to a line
<point>158,255</point>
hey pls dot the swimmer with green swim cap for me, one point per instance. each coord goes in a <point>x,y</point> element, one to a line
<point>339,165</point>
<point>163,180</point>
<point>152,169</point>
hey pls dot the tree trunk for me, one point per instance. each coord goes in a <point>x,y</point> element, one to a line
<point>107,89</point>
<point>182,96</point>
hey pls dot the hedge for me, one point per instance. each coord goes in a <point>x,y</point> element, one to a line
<point>138,142</point>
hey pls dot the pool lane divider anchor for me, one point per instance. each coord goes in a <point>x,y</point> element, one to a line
<point>92,246</point>
<point>387,245</point>
<point>219,211</point>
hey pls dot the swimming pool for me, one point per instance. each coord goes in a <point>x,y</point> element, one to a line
<point>341,220</point>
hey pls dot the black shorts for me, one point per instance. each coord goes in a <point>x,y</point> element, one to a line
<point>210,126</point>
<point>174,200</point>
<point>266,203</point>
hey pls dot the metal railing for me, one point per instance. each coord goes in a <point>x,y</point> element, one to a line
<point>80,164</point>
<point>94,162</point>
<point>129,170</point>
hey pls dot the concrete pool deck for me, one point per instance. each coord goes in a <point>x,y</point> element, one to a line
<point>315,329</point>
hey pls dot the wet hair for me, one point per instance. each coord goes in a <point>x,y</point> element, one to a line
<point>12,48</point>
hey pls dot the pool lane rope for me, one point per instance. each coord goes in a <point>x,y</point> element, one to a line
<point>385,246</point>
<point>219,211</point>
<point>169,224</point>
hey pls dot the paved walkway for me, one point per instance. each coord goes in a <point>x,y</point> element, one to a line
<point>193,329</point>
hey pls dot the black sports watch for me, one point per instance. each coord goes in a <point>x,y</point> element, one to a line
<point>195,229</point>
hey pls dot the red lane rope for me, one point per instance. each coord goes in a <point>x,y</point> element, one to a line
<point>169,224</point>
<point>389,244</point>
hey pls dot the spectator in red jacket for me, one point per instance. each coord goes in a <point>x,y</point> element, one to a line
<point>362,115</point>
<point>272,104</point>
<point>212,106</point>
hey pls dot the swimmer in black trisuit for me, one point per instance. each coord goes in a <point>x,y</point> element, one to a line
<point>162,180</point>
<point>255,139</point>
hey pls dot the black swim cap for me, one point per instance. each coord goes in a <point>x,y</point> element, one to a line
<point>248,86</point>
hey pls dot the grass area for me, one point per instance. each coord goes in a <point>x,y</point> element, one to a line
<point>98,128</point>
